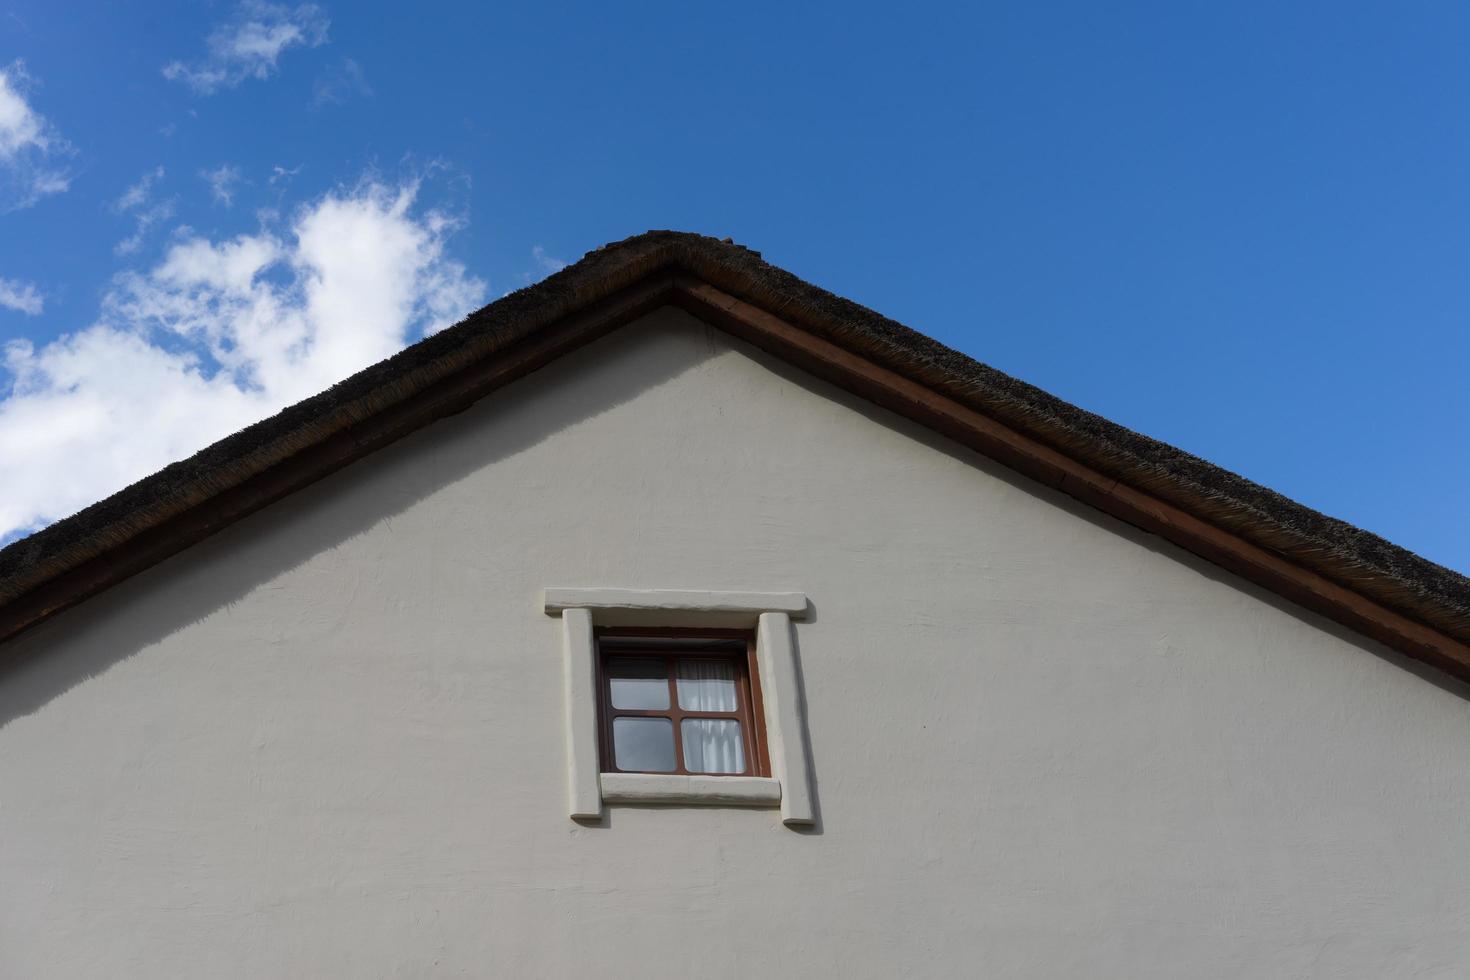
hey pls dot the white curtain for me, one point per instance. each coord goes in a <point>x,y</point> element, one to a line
<point>710,744</point>
<point>706,685</point>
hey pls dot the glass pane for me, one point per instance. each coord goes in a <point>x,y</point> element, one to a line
<point>706,685</point>
<point>713,745</point>
<point>642,685</point>
<point>643,744</point>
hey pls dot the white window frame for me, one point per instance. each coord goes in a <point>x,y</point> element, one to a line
<point>770,613</point>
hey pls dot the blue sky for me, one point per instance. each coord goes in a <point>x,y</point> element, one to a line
<point>1241,228</point>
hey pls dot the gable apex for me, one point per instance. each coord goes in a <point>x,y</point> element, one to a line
<point>1349,575</point>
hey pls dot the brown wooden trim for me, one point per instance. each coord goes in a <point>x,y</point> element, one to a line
<point>447,397</point>
<point>693,632</point>
<point>1053,468</point>
<point>757,711</point>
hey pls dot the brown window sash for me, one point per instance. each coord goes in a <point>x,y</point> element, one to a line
<point>749,710</point>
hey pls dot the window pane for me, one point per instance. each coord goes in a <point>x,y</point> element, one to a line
<point>713,745</point>
<point>642,685</point>
<point>706,685</point>
<point>643,744</point>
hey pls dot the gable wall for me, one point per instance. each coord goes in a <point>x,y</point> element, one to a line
<point>329,740</point>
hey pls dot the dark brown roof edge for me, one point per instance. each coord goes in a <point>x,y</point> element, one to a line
<point>611,285</point>
<point>1356,558</point>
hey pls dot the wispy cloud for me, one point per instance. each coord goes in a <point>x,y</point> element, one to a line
<point>280,175</point>
<point>139,193</point>
<point>217,335</point>
<point>138,201</point>
<point>21,127</point>
<point>338,84</point>
<point>23,297</point>
<point>30,146</point>
<point>249,45</point>
<point>222,181</point>
<point>547,263</point>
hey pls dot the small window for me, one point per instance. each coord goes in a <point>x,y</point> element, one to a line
<point>681,702</point>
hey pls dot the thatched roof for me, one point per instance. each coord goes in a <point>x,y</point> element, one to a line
<point>1241,525</point>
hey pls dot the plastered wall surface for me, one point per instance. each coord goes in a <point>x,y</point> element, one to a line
<point>328,742</point>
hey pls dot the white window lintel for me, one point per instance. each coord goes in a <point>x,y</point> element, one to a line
<point>673,607</point>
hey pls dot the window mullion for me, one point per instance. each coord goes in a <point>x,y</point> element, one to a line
<point>676,716</point>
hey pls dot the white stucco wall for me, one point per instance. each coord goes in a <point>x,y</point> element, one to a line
<point>328,742</point>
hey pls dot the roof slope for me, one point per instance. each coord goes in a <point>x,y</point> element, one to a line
<point>1324,563</point>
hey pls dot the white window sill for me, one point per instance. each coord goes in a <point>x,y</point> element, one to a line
<point>638,787</point>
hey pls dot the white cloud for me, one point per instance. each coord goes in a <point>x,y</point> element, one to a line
<point>138,201</point>
<point>23,297</point>
<point>29,146</point>
<point>249,45</point>
<point>139,193</point>
<point>145,219</point>
<point>20,126</point>
<point>547,263</point>
<point>339,84</point>
<point>222,183</point>
<point>218,335</point>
